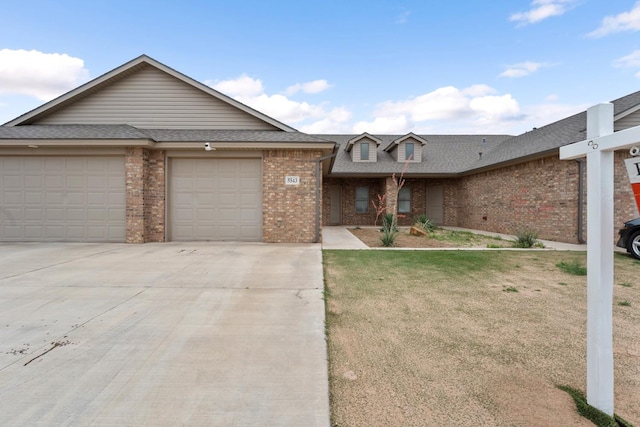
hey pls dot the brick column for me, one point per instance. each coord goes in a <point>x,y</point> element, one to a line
<point>135,170</point>
<point>288,211</point>
<point>154,196</point>
<point>391,191</point>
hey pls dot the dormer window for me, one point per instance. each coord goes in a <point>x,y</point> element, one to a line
<point>409,153</point>
<point>363,148</point>
<point>407,148</point>
<point>364,151</point>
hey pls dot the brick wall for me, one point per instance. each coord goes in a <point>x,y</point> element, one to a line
<point>154,197</point>
<point>624,202</point>
<point>377,186</point>
<point>146,195</point>
<point>541,195</point>
<point>135,170</point>
<point>348,191</point>
<point>288,211</point>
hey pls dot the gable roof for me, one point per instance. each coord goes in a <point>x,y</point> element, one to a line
<point>357,138</point>
<point>396,142</point>
<point>124,70</point>
<point>444,155</point>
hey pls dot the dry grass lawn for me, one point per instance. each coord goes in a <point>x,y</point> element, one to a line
<point>469,338</point>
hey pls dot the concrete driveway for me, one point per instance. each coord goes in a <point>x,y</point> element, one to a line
<point>209,334</point>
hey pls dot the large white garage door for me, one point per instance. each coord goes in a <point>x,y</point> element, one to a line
<point>216,199</point>
<point>75,199</point>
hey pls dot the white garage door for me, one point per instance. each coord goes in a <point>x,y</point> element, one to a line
<point>216,199</point>
<point>75,199</point>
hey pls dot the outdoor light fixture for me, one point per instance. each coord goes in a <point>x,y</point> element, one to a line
<point>32,146</point>
<point>208,147</point>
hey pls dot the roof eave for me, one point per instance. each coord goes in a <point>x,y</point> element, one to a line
<point>511,162</point>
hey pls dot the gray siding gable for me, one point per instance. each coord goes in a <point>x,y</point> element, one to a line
<point>147,94</point>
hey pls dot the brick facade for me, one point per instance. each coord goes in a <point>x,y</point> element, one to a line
<point>288,211</point>
<point>154,196</point>
<point>541,195</point>
<point>377,187</point>
<point>135,170</point>
<point>145,198</point>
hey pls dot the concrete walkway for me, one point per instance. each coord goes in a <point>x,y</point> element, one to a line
<point>338,237</point>
<point>207,334</point>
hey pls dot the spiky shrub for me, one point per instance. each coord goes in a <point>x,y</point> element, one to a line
<point>389,222</point>
<point>424,222</point>
<point>388,237</point>
<point>526,238</point>
<point>389,231</point>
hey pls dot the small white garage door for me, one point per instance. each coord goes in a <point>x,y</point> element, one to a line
<point>216,199</point>
<point>74,199</point>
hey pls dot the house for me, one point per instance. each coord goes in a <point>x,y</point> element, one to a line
<point>498,183</point>
<point>123,159</point>
<point>144,153</point>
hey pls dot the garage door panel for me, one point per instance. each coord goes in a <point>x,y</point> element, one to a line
<point>62,199</point>
<point>116,216</point>
<point>207,198</point>
<point>33,198</point>
<point>54,215</point>
<point>34,231</point>
<point>54,182</point>
<point>34,214</point>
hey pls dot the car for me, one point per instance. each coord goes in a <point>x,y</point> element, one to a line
<point>630,237</point>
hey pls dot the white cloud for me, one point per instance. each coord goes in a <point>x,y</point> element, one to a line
<point>629,61</point>
<point>243,86</point>
<point>552,97</point>
<point>314,118</point>
<point>315,86</point>
<point>335,121</point>
<point>472,109</point>
<point>541,10</point>
<point>41,75</point>
<point>395,124</point>
<point>625,21</point>
<point>522,69</point>
<point>544,114</point>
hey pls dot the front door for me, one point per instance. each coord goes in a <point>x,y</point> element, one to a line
<point>335,211</point>
<point>435,204</point>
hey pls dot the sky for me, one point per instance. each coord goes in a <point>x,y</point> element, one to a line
<point>341,66</point>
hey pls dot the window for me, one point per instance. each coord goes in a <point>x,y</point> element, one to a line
<point>362,199</point>
<point>409,151</point>
<point>364,151</point>
<point>404,200</point>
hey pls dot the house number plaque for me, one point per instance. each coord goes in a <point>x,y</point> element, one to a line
<point>292,180</point>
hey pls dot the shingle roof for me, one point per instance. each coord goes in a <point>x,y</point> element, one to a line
<point>94,132</point>
<point>204,135</point>
<point>443,154</point>
<point>71,132</point>
<point>456,154</point>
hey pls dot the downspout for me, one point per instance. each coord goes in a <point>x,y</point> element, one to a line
<point>581,163</point>
<point>318,201</point>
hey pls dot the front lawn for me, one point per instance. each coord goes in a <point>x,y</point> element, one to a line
<point>469,338</point>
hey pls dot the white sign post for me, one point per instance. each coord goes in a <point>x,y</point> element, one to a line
<point>599,149</point>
